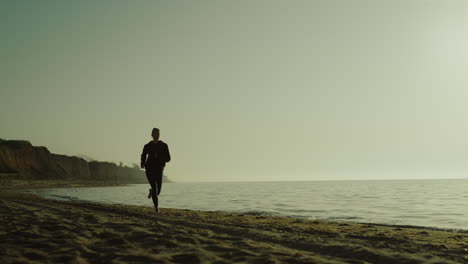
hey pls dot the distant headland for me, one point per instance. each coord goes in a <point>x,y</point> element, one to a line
<point>19,159</point>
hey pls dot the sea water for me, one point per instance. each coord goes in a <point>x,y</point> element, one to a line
<point>431,203</point>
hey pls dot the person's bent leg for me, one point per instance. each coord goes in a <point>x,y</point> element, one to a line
<point>150,175</point>
<point>159,181</point>
<point>154,195</point>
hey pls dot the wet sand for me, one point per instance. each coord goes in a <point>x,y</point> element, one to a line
<point>46,184</point>
<point>38,230</point>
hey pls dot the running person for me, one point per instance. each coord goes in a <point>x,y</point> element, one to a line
<point>153,159</point>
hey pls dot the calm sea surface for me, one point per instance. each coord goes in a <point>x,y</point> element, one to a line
<point>431,203</point>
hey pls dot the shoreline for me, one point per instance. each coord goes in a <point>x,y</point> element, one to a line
<point>33,228</point>
<point>49,184</point>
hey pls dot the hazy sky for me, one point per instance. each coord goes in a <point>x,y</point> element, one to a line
<point>243,90</point>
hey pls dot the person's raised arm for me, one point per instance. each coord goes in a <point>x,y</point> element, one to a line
<point>143,157</point>
<point>168,155</point>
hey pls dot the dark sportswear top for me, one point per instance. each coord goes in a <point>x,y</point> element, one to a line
<point>158,155</point>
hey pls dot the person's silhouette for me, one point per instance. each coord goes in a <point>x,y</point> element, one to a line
<point>153,159</point>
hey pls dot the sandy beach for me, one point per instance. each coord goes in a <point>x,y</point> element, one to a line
<point>38,230</point>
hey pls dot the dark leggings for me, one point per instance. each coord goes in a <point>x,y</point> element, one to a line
<point>154,177</point>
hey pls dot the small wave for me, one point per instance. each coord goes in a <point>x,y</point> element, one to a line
<point>63,197</point>
<point>303,211</point>
<point>334,218</point>
<point>259,213</point>
<point>282,205</point>
<point>239,200</point>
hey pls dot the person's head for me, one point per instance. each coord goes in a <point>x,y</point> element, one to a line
<point>155,134</point>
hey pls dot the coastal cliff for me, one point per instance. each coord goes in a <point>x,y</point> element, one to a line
<point>73,166</point>
<point>19,159</point>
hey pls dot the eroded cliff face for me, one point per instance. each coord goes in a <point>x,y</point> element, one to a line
<point>133,175</point>
<point>103,170</point>
<point>31,162</point>
<point>74,167</point>
<point>108,171</point>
